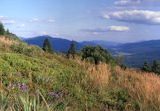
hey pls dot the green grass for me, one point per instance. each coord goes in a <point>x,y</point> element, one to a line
<point>72,88</point>
<point>32,80</point>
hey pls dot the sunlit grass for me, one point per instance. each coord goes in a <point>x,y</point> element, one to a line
<point>31,80</point>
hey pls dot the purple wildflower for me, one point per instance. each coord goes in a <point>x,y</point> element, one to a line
<point>22,87</point>
<point>53,94</point>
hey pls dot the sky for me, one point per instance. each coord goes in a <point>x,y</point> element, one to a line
<point>82,20</point>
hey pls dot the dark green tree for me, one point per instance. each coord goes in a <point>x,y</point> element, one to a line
<point>7,32</point>
<point>146,67</point>
<point>2,30</point>
<point>47,46</point>
<point>156,67</point>
<point>96,54</point>
<point>87,54</point>
<point>72,50</point>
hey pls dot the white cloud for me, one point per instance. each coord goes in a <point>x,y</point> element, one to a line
<point>51,20</point>
<point>108,29</point>
<point>42,20</point>
<point>21,25</point>
<point>135,16</point>
<point>44,33</point>
<point>6,20</point>
<point>34,20</point>
<point>127,2</point>
<point>1,17</point>
<point>118,28</point>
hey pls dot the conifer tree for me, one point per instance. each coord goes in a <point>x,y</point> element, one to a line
<point>7,32</point>
<point>71,50</point>
<point>47,46</point>
<point>2,30</point>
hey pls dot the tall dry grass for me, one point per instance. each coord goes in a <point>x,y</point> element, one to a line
<point>99,74</point>
<point>142,86</point>
<point>7,41</point>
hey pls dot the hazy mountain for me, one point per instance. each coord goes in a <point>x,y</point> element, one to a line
<point>58,44</point>
<point>62,45</point>
<point>135,53</point>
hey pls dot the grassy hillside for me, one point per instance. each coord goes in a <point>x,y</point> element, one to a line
<point>32,80</point>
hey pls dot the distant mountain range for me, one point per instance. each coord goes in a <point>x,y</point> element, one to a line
<point>58,44</point>
<point>135,53</point>
<point>62,45</point>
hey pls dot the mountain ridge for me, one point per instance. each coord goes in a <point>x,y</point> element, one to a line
<point>57,41</point>
<point>135,53</point>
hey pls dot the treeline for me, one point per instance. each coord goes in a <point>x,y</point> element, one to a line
<point>92,54</point>
<point>6,32</point>
<point>97,54</point>
<point>154,67</point>
<point>3,31</point>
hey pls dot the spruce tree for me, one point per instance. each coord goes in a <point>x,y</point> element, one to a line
<point>47,46</point>
<point>2,30</point>
<point>71,50</point>
<point>7,32</point>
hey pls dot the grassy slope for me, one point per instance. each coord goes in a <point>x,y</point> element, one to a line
<point>34,80</point>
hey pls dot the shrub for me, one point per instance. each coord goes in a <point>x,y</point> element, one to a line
<point>124,67</point>
<point>96,54</point>
<point>146,67</point>
<point>154,67</point>
<point>22,48</point>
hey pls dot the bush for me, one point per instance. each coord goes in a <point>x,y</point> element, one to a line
<point>146,67</point>
<point>90,59</point>
<point>96,54</point>
<point>154,67</point>
<point>124,67</point>
<point>25,49</point>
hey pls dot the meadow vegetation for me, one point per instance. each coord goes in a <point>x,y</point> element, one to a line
<point>34,80</point>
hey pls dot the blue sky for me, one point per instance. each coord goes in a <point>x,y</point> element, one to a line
<point>110,20</point>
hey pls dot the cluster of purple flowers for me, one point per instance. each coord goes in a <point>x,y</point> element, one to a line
<point>22,86</point>
<point>53,94</point>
